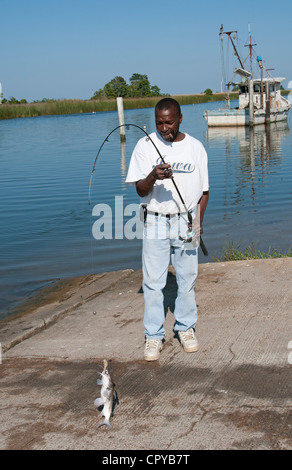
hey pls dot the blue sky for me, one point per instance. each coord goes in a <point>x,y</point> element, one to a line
<point>71,48</point>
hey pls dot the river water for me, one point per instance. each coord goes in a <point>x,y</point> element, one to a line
<point>46,220</point>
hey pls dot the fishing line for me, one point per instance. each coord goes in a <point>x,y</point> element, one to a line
<point>202,245</point>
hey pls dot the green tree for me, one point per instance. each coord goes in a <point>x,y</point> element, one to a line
<point>155,91</point>
<point>100,94</point>
<point>13,100</point>
<point>140,85</point>
<point>208,92</point>
<point>116,87</point>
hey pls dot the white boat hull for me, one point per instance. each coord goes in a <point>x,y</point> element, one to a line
<point>240,117</point>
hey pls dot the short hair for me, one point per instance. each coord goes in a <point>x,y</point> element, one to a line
<point>167,103</point>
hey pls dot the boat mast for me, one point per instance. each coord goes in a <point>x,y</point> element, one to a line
<point>228,33</point>
<point>227,97</point>
<point>250,45</point>
<point>251,103</point>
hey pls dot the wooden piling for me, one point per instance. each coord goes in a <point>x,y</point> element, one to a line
<point>120,106</point>
<point>268,103</point>
<point>251,107</point>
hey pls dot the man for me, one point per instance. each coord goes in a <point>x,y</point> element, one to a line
<point>166,222</point>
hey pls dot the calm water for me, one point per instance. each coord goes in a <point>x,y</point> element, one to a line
<point>46,221</point>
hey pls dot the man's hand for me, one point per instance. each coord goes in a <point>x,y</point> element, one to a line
<point>196,226</point>
<point>161,172</point>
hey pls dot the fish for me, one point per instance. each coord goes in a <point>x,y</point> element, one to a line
<point>108,396</point>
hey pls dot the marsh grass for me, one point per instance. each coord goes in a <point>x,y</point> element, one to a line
<point>234,253</point>
<point>12,111</point>
<point>58,107</point>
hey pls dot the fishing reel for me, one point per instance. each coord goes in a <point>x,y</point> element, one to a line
<point>191,237</point>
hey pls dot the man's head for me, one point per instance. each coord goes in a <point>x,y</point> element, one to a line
<point>168,118</point>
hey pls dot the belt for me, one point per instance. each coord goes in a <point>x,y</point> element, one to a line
<point>168,216</point>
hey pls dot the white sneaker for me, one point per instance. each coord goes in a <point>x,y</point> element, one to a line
<point>152,349</point>
<point>188,340</point>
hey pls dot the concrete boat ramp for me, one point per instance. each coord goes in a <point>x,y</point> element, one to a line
<point>234,393</point>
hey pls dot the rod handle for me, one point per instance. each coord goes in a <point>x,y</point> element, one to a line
<point>203,246</point>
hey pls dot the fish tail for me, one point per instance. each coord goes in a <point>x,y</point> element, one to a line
<point>106,423</point>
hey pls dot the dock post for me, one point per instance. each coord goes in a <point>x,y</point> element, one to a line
<point>268,103</point>
<point>120,106</point>
<point>251,107</point>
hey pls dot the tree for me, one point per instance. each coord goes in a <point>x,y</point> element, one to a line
<point>139,87</point>
<point>155,91</point>
<point>208,92</point>
<point>116,87</point>
<point>13,100</point>
<point>100,94</point>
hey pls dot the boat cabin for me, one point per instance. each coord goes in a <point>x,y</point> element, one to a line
<point>262,89</point>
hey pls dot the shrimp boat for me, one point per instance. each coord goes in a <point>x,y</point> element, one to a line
<point>259,100</point>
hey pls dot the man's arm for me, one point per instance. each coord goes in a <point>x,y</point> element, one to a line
<point>203,204</point>
<point>160,172</point>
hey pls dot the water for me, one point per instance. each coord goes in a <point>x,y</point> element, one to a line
<point>46,221</point>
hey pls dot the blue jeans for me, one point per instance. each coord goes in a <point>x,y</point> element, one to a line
<point>161,245</point>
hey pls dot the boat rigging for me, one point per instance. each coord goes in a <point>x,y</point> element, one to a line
<point>260,99</point>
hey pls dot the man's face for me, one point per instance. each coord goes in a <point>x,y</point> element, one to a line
<point>167,123</point>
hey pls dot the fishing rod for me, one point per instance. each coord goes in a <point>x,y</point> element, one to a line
<point>190,234</point>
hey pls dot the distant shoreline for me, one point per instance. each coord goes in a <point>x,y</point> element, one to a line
<point>59,107</point>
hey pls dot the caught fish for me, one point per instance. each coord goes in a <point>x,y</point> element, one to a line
<point>108,397</point>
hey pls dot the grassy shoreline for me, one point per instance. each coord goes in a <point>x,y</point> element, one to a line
<point>59,107</point>
<point>234,252</point>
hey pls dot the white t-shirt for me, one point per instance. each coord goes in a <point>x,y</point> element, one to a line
<point>189,163</point>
